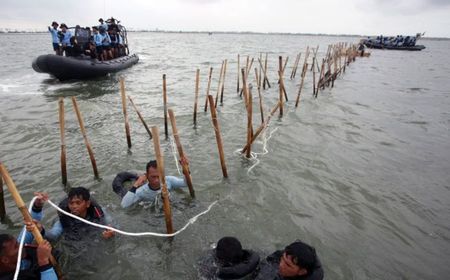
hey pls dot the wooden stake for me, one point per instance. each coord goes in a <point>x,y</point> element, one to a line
<point>83,132</point>
<point>314,76</point>
<point>301,85</point>
<point>245,88</point>
<point>140,117</point>
<point>223,82</point>
<point>238,72</point>
<point>265,73</point>
<point>260,72</point>
<point>249,122</point>
<point>219,86</point>
<point>207,89</point>
<point>218,136</point>
<point>185,167</point>
<point>124,109</point>
<point>162,179</point>
<point>266,80</point>
<point>26,215</point>
<point>258,80</point>
<point>197,81</point>
<point>2,201</point>
<point>166,129</point>
<point>260,128</point>
<point>63,141</point>
<point>280,76</point>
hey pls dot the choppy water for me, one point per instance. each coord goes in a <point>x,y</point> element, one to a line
<point>361,173</point>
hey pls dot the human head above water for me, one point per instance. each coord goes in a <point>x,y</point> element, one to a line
<point>152,174</point>
<point>79,200</point>
<point>229,250</point>
<point>298,259</point>
<point>9,248</point>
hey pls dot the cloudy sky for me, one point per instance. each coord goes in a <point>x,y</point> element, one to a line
<point>364,17</point>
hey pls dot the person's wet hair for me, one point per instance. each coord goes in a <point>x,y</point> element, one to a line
<point>79,192</point>
<point>152,164</point>
<point>229,250</point>
<point>303,255</point>
<point>3,239</point>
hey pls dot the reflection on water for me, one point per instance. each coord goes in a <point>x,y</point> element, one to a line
<point>361,172</point>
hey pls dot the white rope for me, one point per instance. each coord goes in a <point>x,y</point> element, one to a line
<point>174,152</point>
<point>22,240</point>
<point>191,221</point>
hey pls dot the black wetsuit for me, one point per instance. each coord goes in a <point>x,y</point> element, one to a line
<point>268,269</point>
<point>210,268</point>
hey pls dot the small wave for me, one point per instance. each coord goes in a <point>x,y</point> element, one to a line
<point>6,87</point>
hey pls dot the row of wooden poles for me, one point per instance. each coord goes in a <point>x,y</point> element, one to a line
<point>331,67</point>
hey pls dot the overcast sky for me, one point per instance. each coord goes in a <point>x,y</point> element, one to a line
<point>364,17</point>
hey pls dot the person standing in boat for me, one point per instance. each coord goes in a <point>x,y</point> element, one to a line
<point>103,24</point>
<point>106,44</point>
<point>97,38</point>
<point>66,45</point>
<point>55,39</point>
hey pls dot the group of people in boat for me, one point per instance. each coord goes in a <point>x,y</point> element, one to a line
<point>227,261</point>
<point>398,41</point>
<point>103,42</point>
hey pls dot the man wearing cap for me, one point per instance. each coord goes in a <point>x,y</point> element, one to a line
<point>103,24</point>
<point>67,46</point>
<point>55,39</point>
<point>298,261</point>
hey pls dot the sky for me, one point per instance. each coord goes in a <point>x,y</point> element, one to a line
<point>359,17</point>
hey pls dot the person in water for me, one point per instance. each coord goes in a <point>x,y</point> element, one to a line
<point>229,261</point>
<point>78,203</point>
<point>55,39</point>
<point>298,261</point>
<point>35,263</point>
<point>147,186</point>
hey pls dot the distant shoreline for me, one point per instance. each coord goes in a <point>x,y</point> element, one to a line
<point>226,32</point>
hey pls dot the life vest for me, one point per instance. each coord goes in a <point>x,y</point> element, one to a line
<point>75,229</point>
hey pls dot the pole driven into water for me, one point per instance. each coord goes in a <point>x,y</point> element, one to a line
<point>197,81</point>
<point>207,89</point>
<point>249,122</point>
<point>218,136</point>
<point>223,82</point>
<point>26,215</point>
<point>185,167</point>
<point>238,71</point>
<point>166,129</point>
<point>86,141</point>
<point>140,117</point>
<point>63,141</point>
<point>258,80</point>
<point>162,179</point>
<point>124,109</point>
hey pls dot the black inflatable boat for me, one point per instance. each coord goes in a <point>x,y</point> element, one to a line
<point>81,67</point>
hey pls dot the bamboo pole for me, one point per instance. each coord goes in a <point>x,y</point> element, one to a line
<point>314,76</point>
<point>26,215</point>
<point>261,128</point>
<point>245,88</point>
<point>301,86</point>
<point>185,166</point>
<point>258,80</point>
<point>197,81</point>
<point>124,109</point>
<point>223,82</point>
<point>219,86</point>
<point>207,89</point>
<point>63,141</point>
<point>280,76</point>
<point>285,64</point>
<point>162,179</point>
<point>86,141</point>
<point>260,72</point>
<point>140,117</point>
<point>266,80</point>
<point>249,121</point>
<point>2,201</point>
<point>166,129</point>
<point>294,68</point>
<point>238,72</point>
<point>218,136</point>
<point>265,73</point>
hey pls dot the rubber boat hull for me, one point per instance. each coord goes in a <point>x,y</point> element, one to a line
<point>67,68</point>
<point>371,45</point>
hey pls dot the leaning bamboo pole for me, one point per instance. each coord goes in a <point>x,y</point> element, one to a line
<point>301,85</point>
<point>83,132</point>
<point>266,80</point>
<point>166,129</point>
<point>245,88</point>
<point>63,141</point>
<point>260,72</point>
<point>140,117</point>
<point>124,110</point>
<point>162,179</point>
<point>207,89</point>
<point>219,86</point>
<point>197,81</point>
<point>185,166</point>
<point>223,82</point>
<point>26,215</point>
<point>280,76</point>
<point>238,72</point>
<point>261,128</point>
<point>218,136</point>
